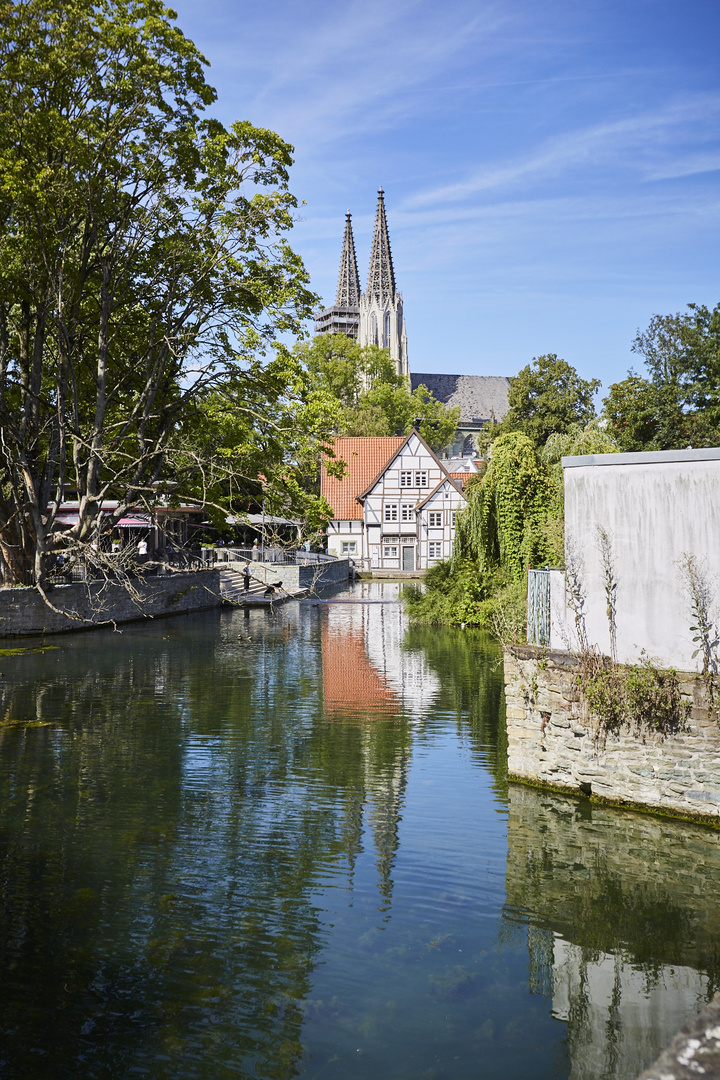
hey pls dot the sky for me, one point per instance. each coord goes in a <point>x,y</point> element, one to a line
<point>551,170</point>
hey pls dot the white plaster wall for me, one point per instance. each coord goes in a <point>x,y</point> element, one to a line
<point>655,508</point>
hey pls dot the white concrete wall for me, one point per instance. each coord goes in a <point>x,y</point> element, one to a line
<point>655,508</point>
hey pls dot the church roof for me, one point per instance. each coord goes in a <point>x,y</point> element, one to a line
<point>480,397</point>
<point>365,457</point>
<point>381,275</point>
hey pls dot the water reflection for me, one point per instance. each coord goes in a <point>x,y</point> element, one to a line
<point>243,845</point>
<point>623,924</point>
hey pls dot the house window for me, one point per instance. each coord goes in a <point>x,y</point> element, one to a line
<point>391,512</point>
<point>407,512</point>
<point>435,518</point>
<point>453,515</point>
<point>349,547</point>
<point>435,549</point>
<point>406,479</point>
<point>421,479</point>
<point>390,551</point>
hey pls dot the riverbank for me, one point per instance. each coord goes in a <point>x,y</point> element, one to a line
<point>553,742</point>
<point>88,605</point>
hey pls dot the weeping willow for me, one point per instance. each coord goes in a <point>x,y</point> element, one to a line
<point>502,524</point>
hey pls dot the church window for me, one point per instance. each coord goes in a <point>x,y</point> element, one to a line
<point>373,329</point>
<point>386,335</point>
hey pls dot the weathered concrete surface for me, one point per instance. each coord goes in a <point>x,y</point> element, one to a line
<point>94,603</point>
<point>694,1052</point>
<point>655,508</point>
<point>552,740</point>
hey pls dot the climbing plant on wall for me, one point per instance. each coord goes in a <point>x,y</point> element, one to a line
<point>502,524</point>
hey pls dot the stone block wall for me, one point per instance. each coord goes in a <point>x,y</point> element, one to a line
<point>299,575</point>
<point>24,612</point>
<point>552,741</point>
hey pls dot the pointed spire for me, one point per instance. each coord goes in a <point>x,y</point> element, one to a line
<point>381,276</point>
<point>348,290</point>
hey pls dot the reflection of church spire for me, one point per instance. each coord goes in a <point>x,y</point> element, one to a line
<point>381,275</point>
<point>348,290</point>
<point>387,795</point>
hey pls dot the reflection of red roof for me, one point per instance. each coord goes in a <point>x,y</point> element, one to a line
<point>364,456</point>
<point>350,682</point>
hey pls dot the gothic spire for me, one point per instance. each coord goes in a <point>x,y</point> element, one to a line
<point>381,276</point>
<point>348,290</point>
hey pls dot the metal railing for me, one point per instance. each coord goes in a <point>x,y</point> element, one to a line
<point>538,607</point>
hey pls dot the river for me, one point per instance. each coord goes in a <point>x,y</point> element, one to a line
<point>252,845</point>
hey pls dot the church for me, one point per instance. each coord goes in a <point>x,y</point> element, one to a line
<point>376,317</point>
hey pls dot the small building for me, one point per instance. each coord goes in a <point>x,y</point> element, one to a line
<point>642,557</point>
<point>395,507</point>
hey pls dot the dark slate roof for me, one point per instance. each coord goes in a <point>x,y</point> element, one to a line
<point>480,397</point>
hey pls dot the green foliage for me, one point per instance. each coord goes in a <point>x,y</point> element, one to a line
<point>142,261</point>
<point>548,396</point>
<point>577,440</point>
<point>678,404</point>
<point>641,697</point>
<point>502,523</point>
<point>371,398</point>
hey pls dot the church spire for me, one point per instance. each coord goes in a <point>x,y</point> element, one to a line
<point>348,290</point>
<point>381,276</point>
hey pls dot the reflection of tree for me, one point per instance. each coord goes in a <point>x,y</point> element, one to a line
<point>471,688</point>
<point>172,797</point>
<point>623,926</point>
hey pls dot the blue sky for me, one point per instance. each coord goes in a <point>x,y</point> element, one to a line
<point>551,169</point>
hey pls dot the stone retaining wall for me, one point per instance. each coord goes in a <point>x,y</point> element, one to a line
<point>23,611</point>
<point>552,741</point>
<point>299,575</point>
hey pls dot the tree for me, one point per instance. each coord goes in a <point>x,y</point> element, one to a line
<point>679,403</point>
<point>372,399</point>
<point>142,261</point>
<point>548,396</point>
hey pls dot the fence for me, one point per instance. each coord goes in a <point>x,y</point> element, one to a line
<point>538,607</point>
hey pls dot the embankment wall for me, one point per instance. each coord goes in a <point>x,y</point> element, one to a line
<point>552,740</point>
<point>300,575</point>
<point>93,603</point>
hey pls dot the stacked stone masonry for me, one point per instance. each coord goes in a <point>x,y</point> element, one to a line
<point>552,740</point>
<point>99,603</point>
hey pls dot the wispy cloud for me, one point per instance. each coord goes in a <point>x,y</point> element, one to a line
<point>635,143</point>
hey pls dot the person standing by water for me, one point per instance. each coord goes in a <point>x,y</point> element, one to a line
<point>246,577</point>
<point>255,553</point>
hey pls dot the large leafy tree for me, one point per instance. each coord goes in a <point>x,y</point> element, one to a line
<point>548,396</point>
<point>371,398</point>
<point>142,260</point>
<point>678,403</point>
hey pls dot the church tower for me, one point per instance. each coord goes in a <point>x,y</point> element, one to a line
<point>344,316</point>
<point>381,306</point>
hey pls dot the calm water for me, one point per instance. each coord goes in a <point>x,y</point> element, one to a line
<point>243,845</point>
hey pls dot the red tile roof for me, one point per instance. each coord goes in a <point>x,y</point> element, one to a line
<point>364,457</point>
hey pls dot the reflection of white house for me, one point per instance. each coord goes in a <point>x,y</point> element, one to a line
<point>366,668</point>
<point>395,506</point>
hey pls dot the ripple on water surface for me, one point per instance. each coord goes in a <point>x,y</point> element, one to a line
<point>271,846</point>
